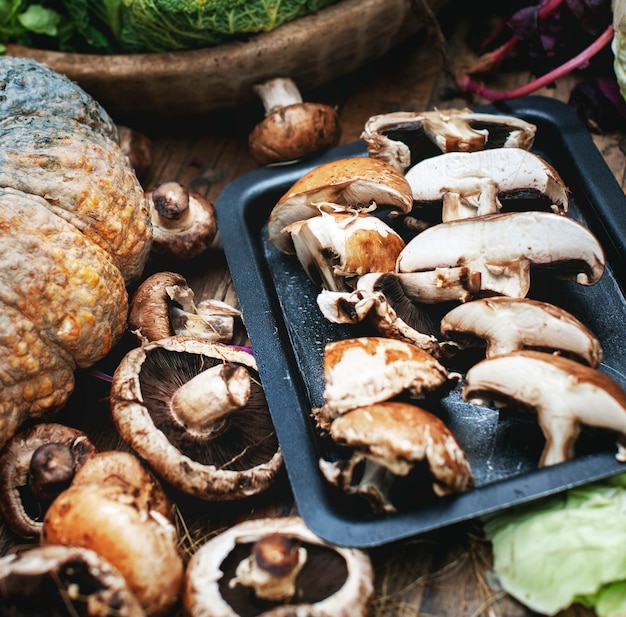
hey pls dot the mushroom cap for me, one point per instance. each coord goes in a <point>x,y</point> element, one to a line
<point>141,544</point>
<point>83,579</point>
<point>401,138</point>
<point>341,584</point>
<point>511,324</point>
<point>294,131</point>
<point>15,461</point>
<point>502,247</point>
<point>243,461</point>
<point>337,247</point>
<point>365,370</point>
<point>354,182</point>
<point>397,434</point>
<point>564,394</point>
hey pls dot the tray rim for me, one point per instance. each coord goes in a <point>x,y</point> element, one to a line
<point>285,390</point>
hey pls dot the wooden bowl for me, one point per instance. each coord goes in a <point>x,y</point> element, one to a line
<point>311,50</point>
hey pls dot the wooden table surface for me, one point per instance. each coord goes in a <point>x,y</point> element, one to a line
<point>443,573</point>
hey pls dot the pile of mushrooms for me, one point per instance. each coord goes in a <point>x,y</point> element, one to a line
<point>484,214</point>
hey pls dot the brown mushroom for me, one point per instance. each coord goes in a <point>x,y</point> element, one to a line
<point>291,129</point>
<point>196,412</point>
<point>277,567</point>
<point>35,466</point>
<point>110,511</point>
<point>366,370</point>
<point>183,221</point>
<point>67,580</point>
<point>163,305</point>
<point>388,440</point>
<point>564,394</point>
<point>137,147</point>
<point>355,182</point>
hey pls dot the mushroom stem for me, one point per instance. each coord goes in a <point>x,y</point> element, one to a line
<point>202,403</point>
<point>51,470</point>
<point>171,201</point>
<point>278,92</point>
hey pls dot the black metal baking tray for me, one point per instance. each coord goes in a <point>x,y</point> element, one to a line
<point>288,335</point>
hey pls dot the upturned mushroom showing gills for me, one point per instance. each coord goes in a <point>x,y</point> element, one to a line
<point>163,305</point>
<point>402,138</point>
<point>277,567</point>
<point>504,324</point>
<point>292,128</point>
<point>37,464</point>
<point>339,246</point>
<point>564,394</point>
<point>476,183</point>
<point>67,580</point>
<point>356,182</point>
<point>365,370</point>
<point>196,412</point>
<point>389,441</point>
<point>501,248</point>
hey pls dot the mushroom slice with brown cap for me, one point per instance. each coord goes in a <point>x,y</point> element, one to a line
<point>196,412</point>
<point>277,567</point>
<point>402,138</point>
<point>504,324</point>
<point>292,128</point>
<point>67,580</point>
<point>503,247</point>
<point>184,222</point>
<point>564,394</point>
<point>365,370</point>
<point>163,305</point>
<point>388,441</point>
<point>35,466</point>
<point>354,182</point>
<point>337,247</point>
<point>110,511</point>
<point>475,183</point>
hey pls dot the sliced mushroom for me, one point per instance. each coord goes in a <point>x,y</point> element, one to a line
<point>365,370</point>
<point>564,394</point>
<point>504,324</point>
<point>337,247</point>
<point>291,129</point>
<point>163,305</point>
<point>277,567</point>
<point>67,580</point>
<point>476,183</point>
<point>111,514</point>
<point>388,441</point>
<point>354,182</point>
<point>183,221</point>
<point>403,138</point>
<point>183,405</point>
<point>35,466</point>
<point>503,247</point>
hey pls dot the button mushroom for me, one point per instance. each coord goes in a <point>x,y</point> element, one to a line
<point>366,370</point>
<point>67,580</point>
<point>355,182</point>
<point>388,441</point>
<point>564,394</point>
<point>476,183</point>
<point>291,129</point>
<point>504,324</point>
<point>35,466</point>
<point>196,412</point>
<point>277,566</point>
<point>403,138</point>
<point>163,305</point>
<point>501,248</point>
<point>183,221</point>
<point>338,246</point>
<point>111,512</point>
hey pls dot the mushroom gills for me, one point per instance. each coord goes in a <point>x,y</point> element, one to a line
<point>564,394</point>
